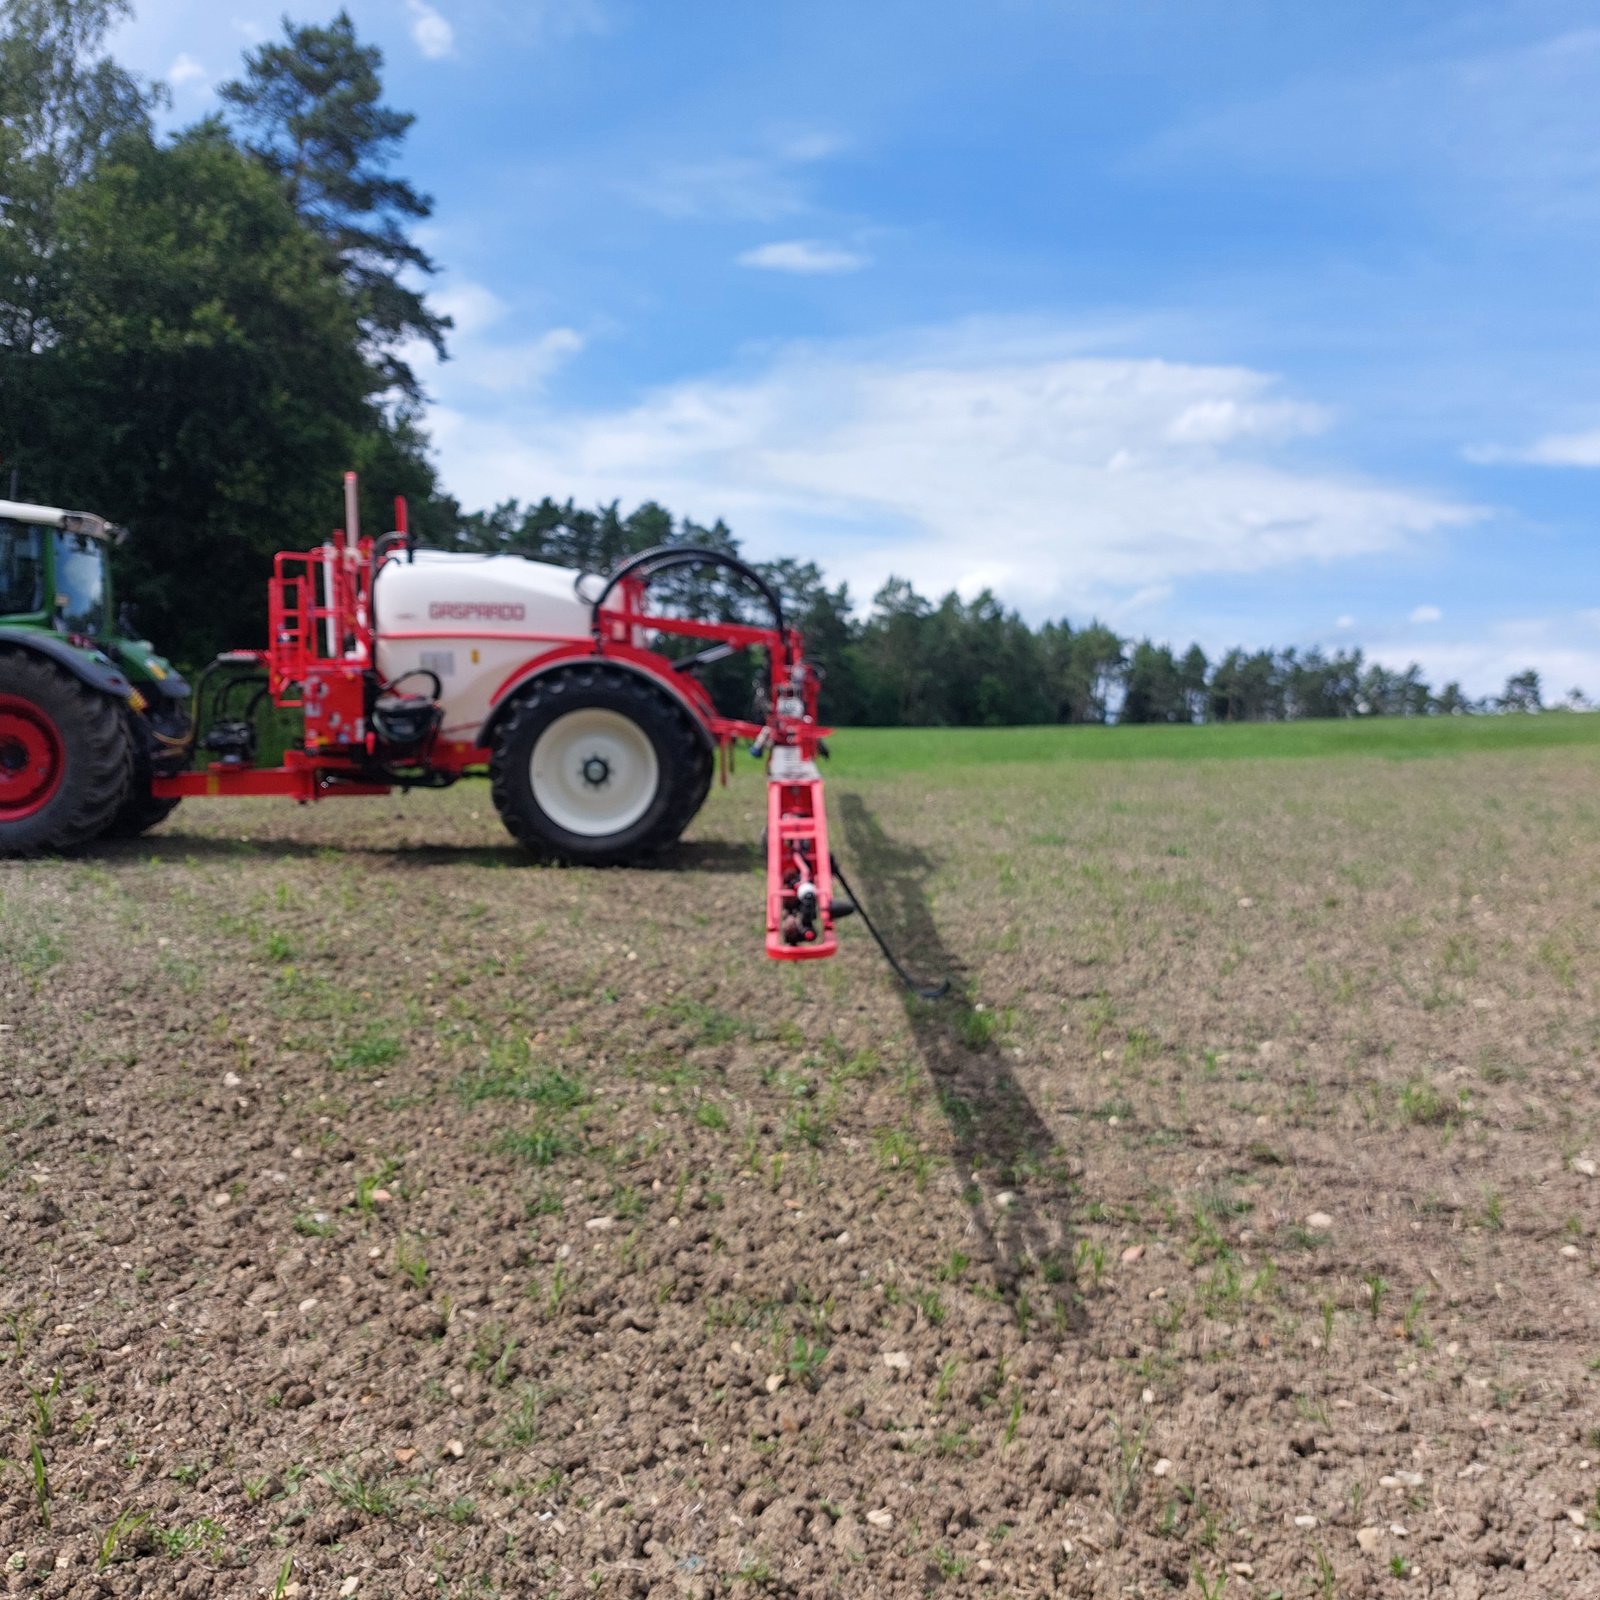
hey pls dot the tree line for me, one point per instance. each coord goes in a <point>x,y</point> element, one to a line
<point>200,330</point>
<point>911,661</point>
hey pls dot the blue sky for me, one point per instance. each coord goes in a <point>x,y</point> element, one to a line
<point>1252,323</point>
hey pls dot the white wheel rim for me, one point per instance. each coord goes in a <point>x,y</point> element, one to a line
<point>594,772</point>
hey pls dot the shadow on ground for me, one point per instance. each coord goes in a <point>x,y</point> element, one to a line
<point>1018,1186</point>
<point>172,844</point>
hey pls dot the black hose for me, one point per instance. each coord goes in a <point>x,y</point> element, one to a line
<point>923,991</point>
<point>663,557</point>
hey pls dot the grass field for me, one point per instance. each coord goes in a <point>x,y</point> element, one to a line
<point>874,752</point>
<point>383,1216</point>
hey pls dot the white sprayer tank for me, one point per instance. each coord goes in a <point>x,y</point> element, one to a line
<point>472,621</point>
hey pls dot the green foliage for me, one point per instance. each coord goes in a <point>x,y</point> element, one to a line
<point>174,349</point>
<point>313,103</point>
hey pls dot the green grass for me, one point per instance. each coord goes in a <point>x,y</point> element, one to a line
<point>879,752</point>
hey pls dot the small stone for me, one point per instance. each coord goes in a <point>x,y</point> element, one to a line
<point>1005,1199</point>
<point>600,1224</point>
<point>774,1382</point>
<point>381,1197</point>
<point>1305,1521</point>
<point>1400,1480</point>
<point>405,1455</point>
<point>1584,1167</point>
<point>308,1304</point>
<point>1162,1468</point>
<point>454,1447</point>
<point>1148,1397</point>
<point>898,1360</point>
<point>1245,902</point>
<point>1131,1254</point>
<point>220,1199</point>
<point>62,1329</point>
<point>881,1518</point>
<point>1571,1252</point>
<point>231,1080</point>
<point>349,1587</point>
<point>1319,1220</point>
<point>1577,1517</point>
<point>1241,1569</point>
<point>1369,1539</point>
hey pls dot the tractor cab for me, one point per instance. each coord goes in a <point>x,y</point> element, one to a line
<point>54,570</point>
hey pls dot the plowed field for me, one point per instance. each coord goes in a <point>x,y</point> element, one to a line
<point>382,1216</point>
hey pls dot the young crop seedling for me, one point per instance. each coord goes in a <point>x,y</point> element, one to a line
<point>1377,1287</point>
<point>120,1537</point>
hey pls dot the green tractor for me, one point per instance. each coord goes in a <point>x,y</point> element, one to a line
<point>88,713</point>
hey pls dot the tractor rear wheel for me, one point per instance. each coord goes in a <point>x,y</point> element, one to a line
<point>595,766</point>
<point>65,757</point>
<point>141,811</point>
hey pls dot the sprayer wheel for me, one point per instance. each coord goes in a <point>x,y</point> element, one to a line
<point>596,766</point>
<point>65,757</point>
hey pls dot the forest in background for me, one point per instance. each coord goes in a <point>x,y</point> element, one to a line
<point>201,330</point>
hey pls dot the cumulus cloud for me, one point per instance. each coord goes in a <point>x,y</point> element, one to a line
<point>185,70</point>
<point>1564,656</point>
<point>805,256</point>
<point>431,33</point>
<point>967,457</point>
<point>1346,621</point>
<point>485,357</point>
<point>1554,450</point>
<point>1426,614</point>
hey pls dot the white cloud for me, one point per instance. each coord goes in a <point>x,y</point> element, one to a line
<point>1426,614</point>
<point>483,357</point>
<point>976,455</point>
<point>806,256</point>
<point>431,33</point>
<point>523,364</point>
<point>1346,621</point>
<point>472,307</point>
<point>760,187</point>
<point>1554,450</point>
<point>1562,656</point>
<point>185,70</point>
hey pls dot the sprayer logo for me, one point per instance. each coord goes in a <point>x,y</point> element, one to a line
<point>477,611</point>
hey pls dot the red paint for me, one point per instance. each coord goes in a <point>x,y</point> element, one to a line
<point>33,758</point>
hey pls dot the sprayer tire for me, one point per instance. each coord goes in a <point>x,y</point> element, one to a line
<point>587,712</point>
<point>74,741</point>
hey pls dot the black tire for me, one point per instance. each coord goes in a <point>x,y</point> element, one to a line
<point>140,811</point>
<point>87,763</point>
<point>683,766</point>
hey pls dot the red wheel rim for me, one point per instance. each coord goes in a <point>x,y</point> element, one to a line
<point>31,758</point>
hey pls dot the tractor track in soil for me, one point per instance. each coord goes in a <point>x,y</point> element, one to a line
<point>376,1207</point>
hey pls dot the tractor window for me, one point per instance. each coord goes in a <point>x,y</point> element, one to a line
<point>80,583</point>
<point>21,571</point>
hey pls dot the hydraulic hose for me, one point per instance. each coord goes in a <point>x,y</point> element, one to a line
<point>923,991</point>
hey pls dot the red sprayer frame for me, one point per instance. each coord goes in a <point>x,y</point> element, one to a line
<point>320,660</point>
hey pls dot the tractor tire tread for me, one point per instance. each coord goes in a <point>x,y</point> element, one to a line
<point>140,811</point>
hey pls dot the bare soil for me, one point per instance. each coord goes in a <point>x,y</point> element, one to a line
<point>381,1216</point>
